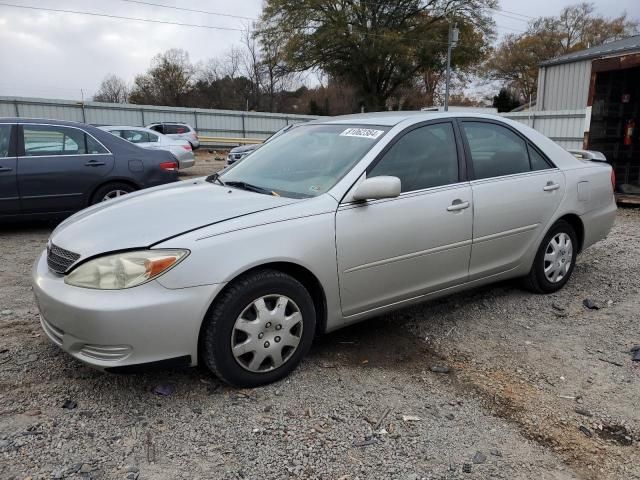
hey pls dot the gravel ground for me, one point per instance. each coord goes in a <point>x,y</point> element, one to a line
<point>537,387</point>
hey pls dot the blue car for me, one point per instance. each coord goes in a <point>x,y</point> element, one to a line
<point>54,168</point>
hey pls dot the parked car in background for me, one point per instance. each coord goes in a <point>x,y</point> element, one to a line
<point>238,153</point>
<point>177,130</point>
<point>54,167</point>
<point>147,138</point>
<point>335,222</point>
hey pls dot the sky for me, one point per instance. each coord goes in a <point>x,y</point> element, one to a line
<point>66,55</point>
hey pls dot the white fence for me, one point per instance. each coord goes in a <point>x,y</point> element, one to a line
<point>210,123</point>
<point>565,127</point>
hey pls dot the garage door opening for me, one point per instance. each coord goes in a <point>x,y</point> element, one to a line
<point>615,120</point>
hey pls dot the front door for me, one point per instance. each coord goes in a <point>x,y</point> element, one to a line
<point>516,191</point>
<point>59,167</point>
<point>9,199</point>
<point>392,250</point>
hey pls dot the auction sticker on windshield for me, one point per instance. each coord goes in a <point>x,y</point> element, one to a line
<point>362,132</point>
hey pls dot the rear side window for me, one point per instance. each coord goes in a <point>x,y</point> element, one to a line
<point>538,162</point>
<point>497,151</point>
<point>156,128</point>
<point>5,140</point>
<point>135,136</point>
<point>423,158</point>
<point>152,137</point>
<point>49,140</point>
<point>172,128</point>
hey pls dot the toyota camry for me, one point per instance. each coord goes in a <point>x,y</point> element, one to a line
<point>329,224</point>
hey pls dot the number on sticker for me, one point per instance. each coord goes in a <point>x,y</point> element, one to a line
<point>362,133</point>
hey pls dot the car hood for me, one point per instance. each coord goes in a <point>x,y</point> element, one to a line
<point>245,148</point>
<point>147,217</point>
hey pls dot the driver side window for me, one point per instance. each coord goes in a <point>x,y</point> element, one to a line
<point>425,157</point>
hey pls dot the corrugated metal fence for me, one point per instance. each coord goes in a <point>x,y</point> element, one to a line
<point>211,123</point>
<point>565,127</point>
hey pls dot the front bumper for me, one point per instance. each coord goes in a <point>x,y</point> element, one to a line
<point>110,329</point>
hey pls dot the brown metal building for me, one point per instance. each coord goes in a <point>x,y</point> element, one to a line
<point>606,81</point>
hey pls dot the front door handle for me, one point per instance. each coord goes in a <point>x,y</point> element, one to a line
<point>550,187</point>
<point>457,205</point>
<point>5,169</point>
<point>94,163</point>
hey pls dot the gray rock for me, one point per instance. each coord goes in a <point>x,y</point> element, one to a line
<point>479,457</point>
<point>6,312</point>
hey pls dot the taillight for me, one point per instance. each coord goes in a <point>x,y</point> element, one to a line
<point>169,166</point>
<point>613,179</point>
<point>187,147</point>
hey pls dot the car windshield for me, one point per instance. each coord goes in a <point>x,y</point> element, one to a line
<point>304,162</point>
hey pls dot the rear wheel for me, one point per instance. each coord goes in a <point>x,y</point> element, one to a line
<point>555,259</point>
<point>111,191</point>
<point>259,329</point>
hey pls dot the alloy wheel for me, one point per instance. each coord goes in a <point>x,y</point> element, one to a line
<point>114,194</point>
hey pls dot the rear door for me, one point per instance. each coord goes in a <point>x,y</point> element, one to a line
<point>59,167</point>
<point>9,198</point>
<point>516,191</point>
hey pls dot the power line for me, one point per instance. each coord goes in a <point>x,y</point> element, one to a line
<point>193,10</point>
<point>181,24</point>
<point>120,17</point>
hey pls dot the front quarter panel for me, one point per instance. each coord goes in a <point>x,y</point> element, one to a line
<point>302,233</point>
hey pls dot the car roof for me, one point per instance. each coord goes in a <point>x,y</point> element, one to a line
<point>126,127</point>
<point>390,119</point>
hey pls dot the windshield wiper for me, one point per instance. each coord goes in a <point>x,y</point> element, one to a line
<point>249,187</point>
<point>215,178</point>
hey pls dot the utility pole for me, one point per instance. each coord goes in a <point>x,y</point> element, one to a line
<point>453,41</point>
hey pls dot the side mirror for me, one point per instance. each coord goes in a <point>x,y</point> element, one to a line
<point>375,188</point>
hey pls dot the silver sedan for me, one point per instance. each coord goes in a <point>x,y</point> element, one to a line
<point>329,224</point>
<point>147,138</point>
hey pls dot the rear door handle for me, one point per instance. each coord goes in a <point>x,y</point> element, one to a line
<point>94,163</point>
<point>550,187</point>
<point>457,205</point>
<point>5,169</point>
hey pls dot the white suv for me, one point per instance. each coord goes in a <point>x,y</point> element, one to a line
<point>177,130</point>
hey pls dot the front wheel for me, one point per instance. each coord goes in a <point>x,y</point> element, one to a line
<point>259,329</point>
<point>555,259</point>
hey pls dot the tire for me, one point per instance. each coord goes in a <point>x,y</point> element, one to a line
<point>538,280</point>
<point>111,189</point>
<point>238,317</point>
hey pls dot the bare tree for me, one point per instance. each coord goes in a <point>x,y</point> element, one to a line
<point>113,89</point>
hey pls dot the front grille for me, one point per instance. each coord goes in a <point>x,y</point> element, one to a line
<point>59,259</point>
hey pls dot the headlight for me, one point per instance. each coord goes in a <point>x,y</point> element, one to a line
<point>124,270</point>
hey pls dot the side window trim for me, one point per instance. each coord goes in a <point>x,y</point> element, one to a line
<point>20,150</point>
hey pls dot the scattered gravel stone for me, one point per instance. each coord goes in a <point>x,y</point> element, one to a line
<point>586,431</point>
<point>495,452</point>
<point>440,369</point>
<point>582,411</point>
<point>6,312</point>
<point>479,457</point>
<point>164,390</point>
<point>591,304</point>
<point>69,404</point>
